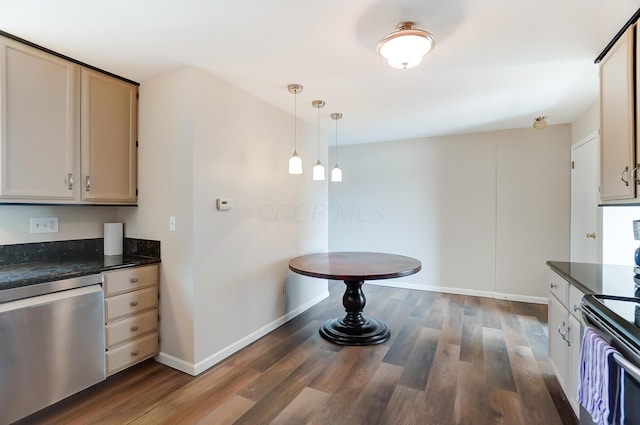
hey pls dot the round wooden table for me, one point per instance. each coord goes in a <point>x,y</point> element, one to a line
<point>354,268</point>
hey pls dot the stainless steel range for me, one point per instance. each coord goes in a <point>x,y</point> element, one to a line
<point>617,320</point>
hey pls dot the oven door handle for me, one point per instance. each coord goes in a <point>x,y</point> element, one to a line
<point>591,319</point>
<point>627,366</point>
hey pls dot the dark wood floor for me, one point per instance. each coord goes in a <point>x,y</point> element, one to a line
<point>451,359</point>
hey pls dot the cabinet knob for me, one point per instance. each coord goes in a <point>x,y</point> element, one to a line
<point>87,183</point>
<point>133,280</point>
<point>134,329</point>
<point>591,235</point>
<point>133,303</point>
<point>553,286</point>
<point>135,353</point>
<point>70,181</point>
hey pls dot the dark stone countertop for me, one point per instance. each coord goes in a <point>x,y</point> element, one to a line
<point>32,273</point>
<point>607,279</point>
<point>28,264</point>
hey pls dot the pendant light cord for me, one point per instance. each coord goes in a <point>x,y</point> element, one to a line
<point>318,133</point>
<point>295,122</point>
<point>336,142</point>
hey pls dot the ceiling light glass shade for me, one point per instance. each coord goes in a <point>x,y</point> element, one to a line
<point>405,47</point>
<point>318,171</point>
<point>295,164</point>
<point>336,174</point>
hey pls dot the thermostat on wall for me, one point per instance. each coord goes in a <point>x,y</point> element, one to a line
<point>223,204</point>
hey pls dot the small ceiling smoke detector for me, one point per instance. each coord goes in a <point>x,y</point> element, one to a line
<point>539,123</point>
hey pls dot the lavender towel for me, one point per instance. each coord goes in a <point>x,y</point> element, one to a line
<point>593,388</point>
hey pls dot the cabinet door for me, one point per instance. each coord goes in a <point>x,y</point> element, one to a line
<point>575,342</point>
<point>109,153</point>
<point>39,136</point>
<point>617,144</point>
<point>558,347</point>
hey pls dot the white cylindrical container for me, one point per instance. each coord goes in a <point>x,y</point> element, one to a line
<point>113,239</point>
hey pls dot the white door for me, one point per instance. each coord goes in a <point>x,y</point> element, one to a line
<point>585,234</point>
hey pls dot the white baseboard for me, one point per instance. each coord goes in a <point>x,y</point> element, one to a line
<point>522,298</point>
<point>198,368</point>
<point>461,291</point>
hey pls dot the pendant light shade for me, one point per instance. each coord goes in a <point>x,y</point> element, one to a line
<point>405,47</point>
<point>318,169</point>
<point>336,172</point>
<point>295,162</point>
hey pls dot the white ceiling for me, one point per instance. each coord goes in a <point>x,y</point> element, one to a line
<point>496,64</point>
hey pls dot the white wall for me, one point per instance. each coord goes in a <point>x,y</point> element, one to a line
<point>586,124</point>
<point>75,222</point>
<point>618,244</point>
<point>223,273</point>
<point>533,208</point>
<point>483,212</point>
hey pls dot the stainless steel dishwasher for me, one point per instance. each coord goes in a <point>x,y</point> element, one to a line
<point>51,343</point>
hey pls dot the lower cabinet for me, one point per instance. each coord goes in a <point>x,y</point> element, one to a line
<point>565,335</point>
<point>131,316</point>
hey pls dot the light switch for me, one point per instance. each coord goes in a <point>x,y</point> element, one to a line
<point>224,204</point>
<point>172,224</point>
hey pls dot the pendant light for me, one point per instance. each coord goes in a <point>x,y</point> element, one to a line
<point>318,169</point>
<point>336,172</point>
<point>405,47</point>
<point>295,162</point>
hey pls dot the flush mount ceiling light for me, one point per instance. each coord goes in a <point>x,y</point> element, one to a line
<point>405,47</point>
<point>295,162</point>
<point>539,123</point>
<point>318,169</point>
<point>336,172</point>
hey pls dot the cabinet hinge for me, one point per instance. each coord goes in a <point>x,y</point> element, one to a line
<point>136,143</point>
<point>136,191</point>
<point>573,165</point>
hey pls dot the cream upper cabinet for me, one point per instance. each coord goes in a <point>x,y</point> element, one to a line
<point>109,153</point>
<point>39,130</point>
<point>618,165</point>
<point>67,132</point>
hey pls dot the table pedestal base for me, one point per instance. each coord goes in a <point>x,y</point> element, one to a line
<point>370,333</point>
<point>354,328</point>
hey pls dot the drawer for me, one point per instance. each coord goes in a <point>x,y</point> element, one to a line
<point>131,353</point>
<point>132,327</point>
<point>130,303</point>
<point>559,288</point>
<point>131,279</point>
<point>575,299</point>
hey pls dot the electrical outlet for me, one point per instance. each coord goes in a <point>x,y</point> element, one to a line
<point>44,224</point>
<point>172,224</point>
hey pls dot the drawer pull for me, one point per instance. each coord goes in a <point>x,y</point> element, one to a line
<point>134,329</point>
<point>135,353</point>
<point>133,303</point>
<point>554,286</point>
<point>133,280</point>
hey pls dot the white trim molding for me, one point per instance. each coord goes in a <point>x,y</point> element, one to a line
<point>198,368</point>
